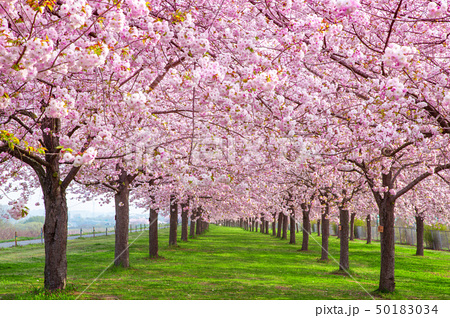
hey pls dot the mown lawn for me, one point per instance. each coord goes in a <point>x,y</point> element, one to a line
<point>224,263</point>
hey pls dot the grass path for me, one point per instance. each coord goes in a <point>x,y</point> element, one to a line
<point>225,263</point>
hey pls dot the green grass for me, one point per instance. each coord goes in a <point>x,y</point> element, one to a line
<point>225,263</point>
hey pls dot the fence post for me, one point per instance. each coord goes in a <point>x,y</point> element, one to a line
<point>42,235</point>
<point>448,245</point>
<point>106,229</point>
<point>15,238</point>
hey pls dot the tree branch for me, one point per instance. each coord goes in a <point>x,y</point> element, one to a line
<point>34,162</point>
<point>419,179</point>
<point>344,63</point>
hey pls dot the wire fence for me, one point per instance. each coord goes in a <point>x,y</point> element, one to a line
<point>433,239</point>
<point>106,230</point>
<point>73,233</point>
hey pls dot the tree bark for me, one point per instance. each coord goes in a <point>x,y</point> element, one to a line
<point>198,228</point>
<point>173,220</point>
<point>343,256</point>
<point>122,202</point>
<point>274,224</point>
<point>387,269</point>
<point>280,224</point>
<point>352,226</point>
<point>419,233</point>
<point>192,228</point>
<point>292,227</point>
<point>153,234</point>
<point>306,227</point>
<point>256,224</point>
<point>369,230</point>
<point>267,227</point>
<point>56,212</point>
<point>55,234</point>
<point>325,233</point>
<point>318,227</point>
<point>184,221</point>
<point>285,226</point>
<point>262,225</point>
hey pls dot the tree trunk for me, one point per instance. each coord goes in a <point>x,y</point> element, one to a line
<point>387,269</point>
<point>369,230</point>
<point>325,233</point>
<point>274,224</point>
<point>352,226</point>
<point>192,228</point>
<point>56,212</point>
<point>256,224</point>
<point>184,221</point>
<point>267,227</point>
<point>280,224</point>
<point>198,228</point>
<point>296,227</point>
<point>55,234</point>
<point>318,227</point>
<point>285,226</point>
<point>343,256</point>
<point>292,227</point>
<point>173,220</point>
<point>306,227</point>
<point>419,232</point>
<point>153,234</point>
<point>241,222</point>
<point>262,225</point>
<point>122,202</point>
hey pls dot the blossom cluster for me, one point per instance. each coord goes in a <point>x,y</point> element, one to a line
<point>77,10</point>
<point>4,99</point>
<point>89,57</point>
<point>56,109</point>
<point>116,21</point>
<point>397,56</point>
<point>102,138</point>
<point>138,8</point>
<point>18,209</point>
<point>135,101</point>
<point>394,89</point>
<point>86,158</point>
<point>24,62</point>
<point>435,10</point>
<point>446,100</point>
<point>346,7</point>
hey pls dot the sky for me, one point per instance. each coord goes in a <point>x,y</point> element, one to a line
<point>85,209</point>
